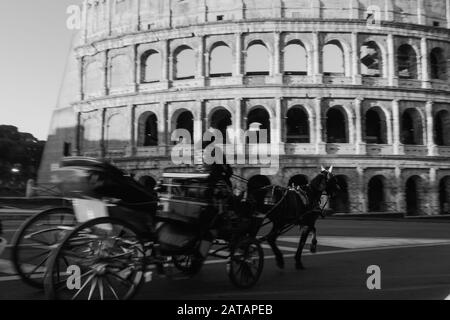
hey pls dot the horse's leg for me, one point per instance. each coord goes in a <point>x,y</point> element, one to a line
<point>313,247</point>
<point>304,232</point>
<point>272,240</point>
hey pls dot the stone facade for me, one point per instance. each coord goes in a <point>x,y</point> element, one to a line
<point>367,91</point>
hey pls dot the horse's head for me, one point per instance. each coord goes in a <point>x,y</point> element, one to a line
<point>326,182</point>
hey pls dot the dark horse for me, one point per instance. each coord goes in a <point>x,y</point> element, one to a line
<point>298,206</point>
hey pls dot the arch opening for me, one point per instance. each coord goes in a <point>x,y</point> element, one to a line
<point>297,125</point>
<point>299,180</point>
<point>333,59</point>
<point>444,195</point>
<point>442,128</point>
<point>221,61</point>
<point>336,126</point>
<point>221,120</point>
<point>341,202</point>
<point>185,64</point>
<point>258,60</point>
<point>413,197</point>
<point>376,127</point>
<point>407,62</point>
<point>376,194</point>
<point>371,60</point>
<point>151,67</point>
<point>258,126</point>
<point>148,130</point>
<point>185,121</point>
<point>438,64</point>
<point>295,59</point>
<point>412,127</point>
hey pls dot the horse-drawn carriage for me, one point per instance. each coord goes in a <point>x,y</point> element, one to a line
<point>115,234</point>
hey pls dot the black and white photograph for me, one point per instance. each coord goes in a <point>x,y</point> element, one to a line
<point>230,152</point>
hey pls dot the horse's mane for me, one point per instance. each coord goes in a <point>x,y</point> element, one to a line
<point>314,184</point>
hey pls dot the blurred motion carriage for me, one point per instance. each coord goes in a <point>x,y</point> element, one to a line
<point>116,234</point>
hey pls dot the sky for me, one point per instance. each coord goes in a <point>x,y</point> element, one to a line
<point>33,52</point>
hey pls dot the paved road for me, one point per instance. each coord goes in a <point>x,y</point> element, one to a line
<point>414,258</point>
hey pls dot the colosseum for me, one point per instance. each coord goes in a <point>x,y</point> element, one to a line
<point>362,85</point>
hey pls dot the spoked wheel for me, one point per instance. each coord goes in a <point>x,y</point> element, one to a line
<point>102,259</point>
<point>33,242</point>
<point>246,263</point>
<point>188,264</point>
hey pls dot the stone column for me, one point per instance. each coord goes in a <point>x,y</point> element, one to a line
<point>198,131</point>
<point>392,57</point>
<point>356,74</point>
<point>421,13</point>
<point>354,9</point>
<point>137,69</point>
<point>425,64</point>
<point>201,60</point>
<point>238,72</point>
<point>400,191</point>
<point>432,148</point>
<point>105,73</point>
<point>360,144</point>
<point>317,57</point>
<point>277,75</point>
<point>238,131</point>
<point>388,10</point>
<point>320,144</point>
<point>396,127</point>
<point>277,133</point>
<point>103,133</point>
<point>165,56</point>
<point>434,206</point>
<point>316,9</point>
<point>84,21</point>
<point>362,197</point>
<point>81,78</point>
<point>132,132</point>
<point>109,4</point>
<point>448,13</point>
<point>137,15</point>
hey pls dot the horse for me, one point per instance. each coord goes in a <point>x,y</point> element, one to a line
<point>296,206</point>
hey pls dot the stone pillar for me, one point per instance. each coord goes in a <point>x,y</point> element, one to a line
<point>392,57</point>
<point>448,13</point>
<point>389,10</point>
<point>81,78</point>
<point>109,4</point>
<point>103,134</point>
<point>434,206</point>
<point>432,148</point>
<point>238,72</point>
<point>238,131</point>
<point>390,134</point>
<point>133,142</point>
<point>198,131</point>
<point>203,12</point>
<point>320,144</point>
<point>400,191</point>
<point>354,9</point>
<point>360,144</point>
<point>425,62</point>
<point>137,69</point>
<point>201,60</point>
<point>105,73</point>
<point>278,127</point>
<point>362,197</point>
<point>421,13</point>
<point>278,77</point>
<point>396,127</point>
<point>316,9</point>
<point>317,57</point>
<point>84,21</point>
<point>137,15</point>
<point>165,56</point>
<point>356,74</point>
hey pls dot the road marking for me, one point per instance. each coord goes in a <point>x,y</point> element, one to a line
<point>366,242</point>
<point>288,249</point>
<point>271,257</point>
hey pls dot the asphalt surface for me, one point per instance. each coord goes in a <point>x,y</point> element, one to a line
<point>414,258</point>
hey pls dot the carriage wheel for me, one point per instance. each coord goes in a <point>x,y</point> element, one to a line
<point>188,264</point>
<point>246,263</point>
<point>102,259</point>
<point>33,242</point>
